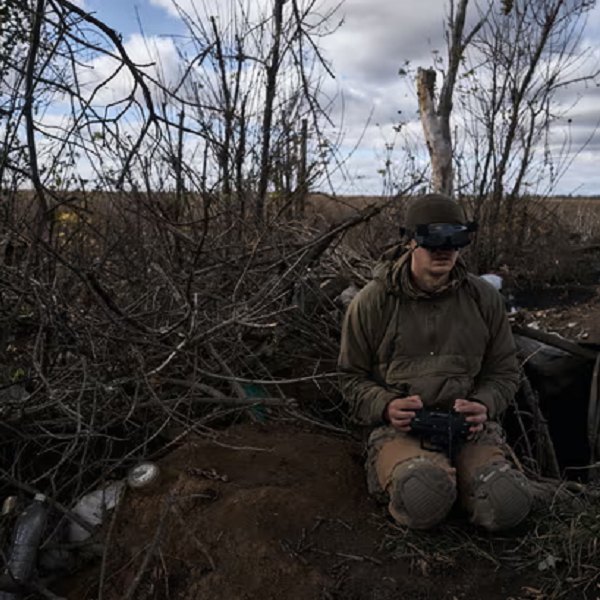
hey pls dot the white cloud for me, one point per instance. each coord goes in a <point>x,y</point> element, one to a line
<point>155,56</point>
<point>593,25</point>
<point>378,36</point>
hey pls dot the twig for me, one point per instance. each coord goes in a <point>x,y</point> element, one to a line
<point>525,435</point>
<point>111,527</point>
<point>235,386</point>
<point>232,401</point>
<point>323,424</point>
<point>207,389</point>
<point>270,382</point>
<point>542,431</point>
<point>359,558</point>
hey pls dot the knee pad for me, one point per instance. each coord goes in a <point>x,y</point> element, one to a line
<point>502,497</point>
<point>421,493</point>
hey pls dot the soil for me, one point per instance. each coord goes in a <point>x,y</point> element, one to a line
<point>573,312</point>
<point>277,511</point>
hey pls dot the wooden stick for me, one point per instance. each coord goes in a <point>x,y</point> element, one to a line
<point>542,431</point>
<point>229,401</point>
<point>557,342</point>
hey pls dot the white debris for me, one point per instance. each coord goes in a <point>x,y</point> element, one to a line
<point>92,508</point>
<point>549,562</point>
<point>494,280</point>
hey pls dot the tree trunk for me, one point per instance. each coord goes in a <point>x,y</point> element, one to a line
<point>437,133</point>
<point>436,120</point>
<point>302,188</point>
<point>271,88</point>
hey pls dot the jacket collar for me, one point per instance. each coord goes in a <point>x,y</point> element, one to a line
<point>393,270</point>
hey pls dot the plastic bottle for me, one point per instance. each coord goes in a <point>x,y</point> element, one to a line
<point>26,539</point>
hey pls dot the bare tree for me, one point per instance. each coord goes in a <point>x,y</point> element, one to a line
<point>519,62</point>
<point>271,87</point>
<point>435,116</point>
<point>504,80</point>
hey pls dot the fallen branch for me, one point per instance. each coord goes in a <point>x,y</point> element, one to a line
<point>546,451</point>
<point>557,342</point>
<point>230,401</point>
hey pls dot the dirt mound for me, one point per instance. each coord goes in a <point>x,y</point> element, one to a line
<point>274,512</point>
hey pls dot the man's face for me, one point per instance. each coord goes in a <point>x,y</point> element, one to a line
<point>435,262</point>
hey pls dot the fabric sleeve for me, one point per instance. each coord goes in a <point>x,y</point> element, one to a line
<point>498,380</point>
<point>367,397</point>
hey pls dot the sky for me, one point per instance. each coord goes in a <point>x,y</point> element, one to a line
<point>365,53</point>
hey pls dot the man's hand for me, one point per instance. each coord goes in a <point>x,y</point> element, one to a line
<point>474,412</point>
<point>399,412</point>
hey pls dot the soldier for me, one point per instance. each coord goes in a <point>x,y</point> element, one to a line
<point>426,325</point>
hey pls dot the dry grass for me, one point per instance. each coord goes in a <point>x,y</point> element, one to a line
<point>544,243</point>
<point>556,548</point>
<point>580,214</point>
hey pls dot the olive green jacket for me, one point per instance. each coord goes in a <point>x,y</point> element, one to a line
<point>398,340</point>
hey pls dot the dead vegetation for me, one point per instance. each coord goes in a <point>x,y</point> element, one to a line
<point>186,289</point>
<point>144,339</point>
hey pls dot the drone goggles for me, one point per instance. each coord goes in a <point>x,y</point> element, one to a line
<point>443,237</point>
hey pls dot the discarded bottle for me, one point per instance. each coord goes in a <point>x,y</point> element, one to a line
<point>26,538</point>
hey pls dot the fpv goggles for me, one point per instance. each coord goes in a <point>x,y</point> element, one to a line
<point>443,237</point>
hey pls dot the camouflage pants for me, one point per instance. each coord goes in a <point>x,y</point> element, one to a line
<point>421,485</point>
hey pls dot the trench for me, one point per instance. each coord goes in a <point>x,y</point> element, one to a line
<point>561,380</point>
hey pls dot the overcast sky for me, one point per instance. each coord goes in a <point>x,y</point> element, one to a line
<point>366,52</point>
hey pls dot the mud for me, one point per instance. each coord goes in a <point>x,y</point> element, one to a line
<point>277,511</point>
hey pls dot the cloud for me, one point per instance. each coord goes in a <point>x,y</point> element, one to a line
<point>593,25</point>
<point>157,57</point>
<point>378,36</point>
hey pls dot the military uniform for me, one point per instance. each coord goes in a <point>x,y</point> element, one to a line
<point>454,343</point>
